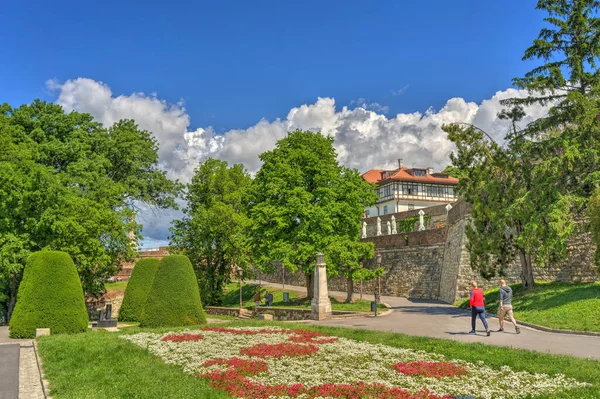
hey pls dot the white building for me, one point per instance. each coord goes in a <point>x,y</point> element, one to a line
<point>404,189</point>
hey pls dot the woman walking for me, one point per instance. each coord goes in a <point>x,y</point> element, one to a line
<point>477,303</point>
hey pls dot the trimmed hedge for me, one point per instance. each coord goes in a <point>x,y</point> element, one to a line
<point>50,296</point>
<point>174,299</point>
<point>138,287</point>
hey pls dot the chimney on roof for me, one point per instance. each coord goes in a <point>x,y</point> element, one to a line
<point>429,171</point>
<point>400,163</point>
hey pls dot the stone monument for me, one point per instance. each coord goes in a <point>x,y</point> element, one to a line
<point>320,305</point>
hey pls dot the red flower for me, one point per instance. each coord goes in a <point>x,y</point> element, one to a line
<point>279,350</point>
<point>238,386</point>
<point>182,337</point>
<point>431,369</point>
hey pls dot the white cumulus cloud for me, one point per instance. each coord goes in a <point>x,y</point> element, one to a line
<point>365,138</point>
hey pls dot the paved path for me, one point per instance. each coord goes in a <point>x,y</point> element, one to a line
<point>9,371</point>
<point>20,369</point>
<point>440,320</point>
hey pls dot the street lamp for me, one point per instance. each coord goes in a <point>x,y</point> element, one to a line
<point>239,271</point>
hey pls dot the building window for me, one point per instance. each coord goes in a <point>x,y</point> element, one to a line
<point>367,213</point>
<point>387,190</point>
<point>419,172</point>
<point>385,209</point>
<point>411,207</point>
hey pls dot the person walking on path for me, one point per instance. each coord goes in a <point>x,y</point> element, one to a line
<point>506,307</point>
<point>257,298</point>
<point>477,303</point>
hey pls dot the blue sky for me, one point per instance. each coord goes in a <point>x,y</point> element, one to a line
<point>234,62</point>
<point>228,79</point>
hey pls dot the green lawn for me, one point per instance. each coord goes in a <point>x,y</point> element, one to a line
<point>101,365</point>
<point>232,298</point>
<point>118,286</point>
<point>566,306</point>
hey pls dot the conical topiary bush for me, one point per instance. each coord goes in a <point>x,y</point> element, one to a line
<point>138,287</point>
<point>50,296</point>
<point>174,299</point>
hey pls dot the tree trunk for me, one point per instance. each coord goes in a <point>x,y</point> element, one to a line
<point>526,269</point>
<point>350,288</point>
<point>310,285</point>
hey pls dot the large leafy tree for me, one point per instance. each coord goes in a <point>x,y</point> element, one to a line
<point>345,254</point>
<point>529,193</point>
<point>68,183</point>
<point>303,202</point>
<point>214,230</point>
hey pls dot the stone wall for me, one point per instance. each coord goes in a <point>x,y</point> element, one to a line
<point>437,215</point>
<point>435,263</point>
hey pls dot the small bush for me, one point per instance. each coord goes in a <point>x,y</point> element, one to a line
<point>50,296</point>
<point>174,299</point>
<point>138,287</point>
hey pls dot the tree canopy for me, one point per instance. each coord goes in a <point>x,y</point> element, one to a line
<point>303,201</point>
<point>214,230</point>
<point>68,183</point>
<point>529,193</point>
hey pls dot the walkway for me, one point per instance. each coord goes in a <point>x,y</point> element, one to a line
<point>440,320</point>
<point>19,373</point>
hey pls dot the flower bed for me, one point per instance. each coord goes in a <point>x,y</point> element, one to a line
<point>271,362</point>
<point>182,337</point>
<point>431,369</point>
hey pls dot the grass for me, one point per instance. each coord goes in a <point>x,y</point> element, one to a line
<point>232,299</point>
<point>118,286</point>
<point>566,306</point>
<point>100,365</point>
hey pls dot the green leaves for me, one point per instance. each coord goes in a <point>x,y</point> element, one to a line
<point>67,183</point>
<point>215,227</point>
<point>303,202</point>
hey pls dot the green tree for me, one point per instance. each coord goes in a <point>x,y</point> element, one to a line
<point>50,296</point>
<point>529,193</point>
<point>344,254</point>
<point>303,201</point>
<point>215,227</point>
<point>67,183</point>
<point>174,299</point>
<point>138,287</point>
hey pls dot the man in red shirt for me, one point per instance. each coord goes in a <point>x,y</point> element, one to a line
<point>477,303</point>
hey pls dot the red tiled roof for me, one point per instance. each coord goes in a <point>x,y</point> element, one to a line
<point>404,174</point>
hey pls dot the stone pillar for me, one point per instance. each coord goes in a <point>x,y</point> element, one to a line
<point>389,228</point>
<point>364,230</point>
<point>394,229</point>
<point>378,226</point>
<point>421,222</point>
<point>321,305</point>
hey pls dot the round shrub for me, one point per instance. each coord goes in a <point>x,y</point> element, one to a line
<point>174,299</point>
<point>137,289</point>
<point>50,296</point>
